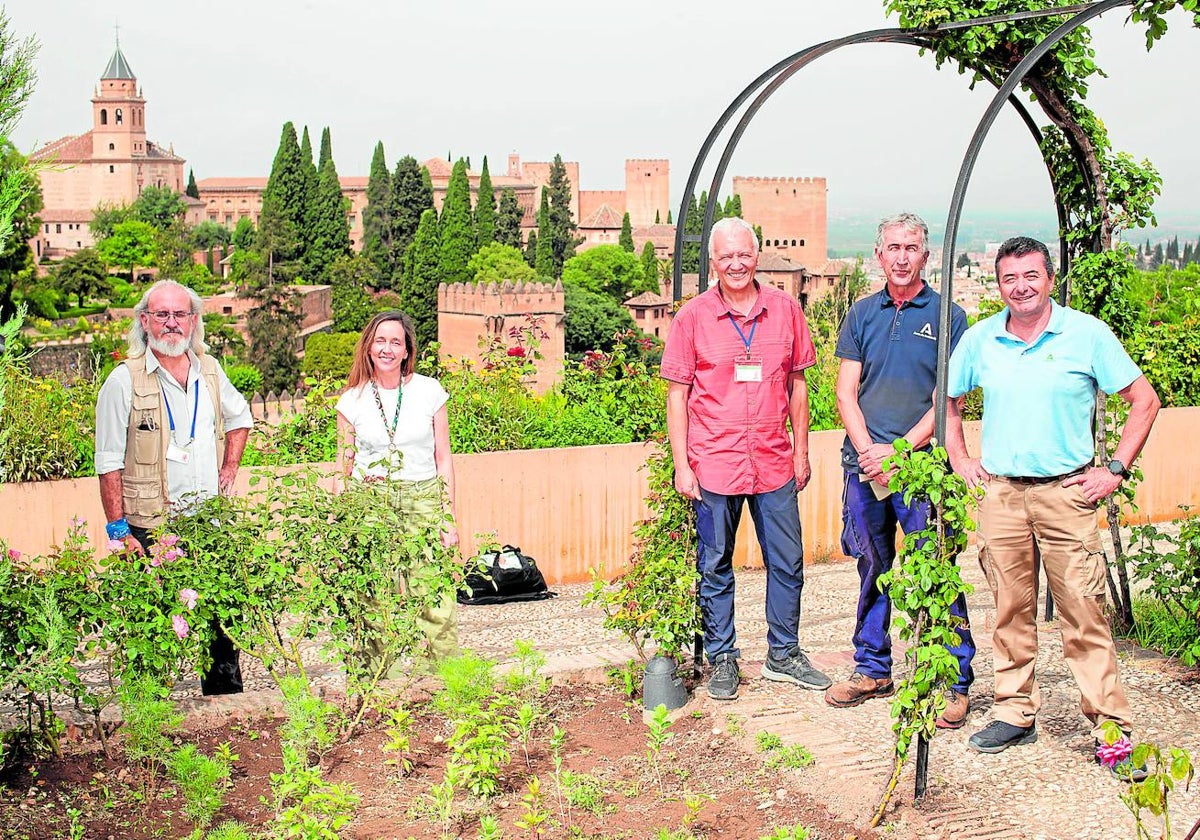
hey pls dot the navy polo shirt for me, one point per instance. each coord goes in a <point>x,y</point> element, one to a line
<point>897,347</point>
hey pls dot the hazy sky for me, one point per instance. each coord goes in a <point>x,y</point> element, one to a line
<point>624,79</point>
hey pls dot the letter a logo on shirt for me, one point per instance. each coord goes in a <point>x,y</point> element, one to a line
<point>926,332</point>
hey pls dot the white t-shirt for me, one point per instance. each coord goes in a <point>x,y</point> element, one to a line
<point>423,397</point>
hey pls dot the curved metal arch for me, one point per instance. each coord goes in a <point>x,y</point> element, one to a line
<point>1003,93</point>
<point>777,74</point>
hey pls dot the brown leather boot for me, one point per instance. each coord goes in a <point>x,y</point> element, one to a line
<point>858,688</point>
<point>955,714</point>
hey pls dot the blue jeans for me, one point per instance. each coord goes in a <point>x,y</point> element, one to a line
<point>777,522</point>
<point>869,536</point>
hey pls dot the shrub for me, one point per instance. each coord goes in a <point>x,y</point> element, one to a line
<point>246,378</point>
<point>48,428</point>
<point>329,355</point>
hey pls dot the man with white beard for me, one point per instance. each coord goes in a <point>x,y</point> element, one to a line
<point>170,429</point>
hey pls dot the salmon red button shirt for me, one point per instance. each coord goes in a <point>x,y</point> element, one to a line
<point>738,441</point>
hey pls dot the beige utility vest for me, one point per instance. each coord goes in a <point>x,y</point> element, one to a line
<point>144,482</point>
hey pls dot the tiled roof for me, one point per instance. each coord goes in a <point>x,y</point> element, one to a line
<point>774,262</point>
<point>118,67</point>
<point>648,299</point>
<point>69,149</point>
<point>50,216</point>
<point>604,217</point>
<point>438,168</point>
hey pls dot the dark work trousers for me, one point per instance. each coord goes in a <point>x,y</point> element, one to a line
<point>777,523</point>
<point>225,674</point>
<point>869,536</point>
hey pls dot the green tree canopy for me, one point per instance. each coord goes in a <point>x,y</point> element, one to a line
<point>592,320</point>
<point>562,223</point>
<point>377,215</point>
<point>105,217</point>
<point>328,228</point>
<point>210,234</point>
<point>485,208</point>
<point>82,274</point>
<point>605,269</point>
<point>132,244</point>
<point>418,293</point>
<point>192,190</point>
<point>352,276</point>
<point>543,246</point>
<point>649,262</point>
<point>281,223</point>
<point>457,229</point>
<point>17,268</point>
<point>243,233</point>
<point>496,263</point>
<point>625,240</point>
<point>508,219</point>
<point>412,195</point>
<point>274,327</point>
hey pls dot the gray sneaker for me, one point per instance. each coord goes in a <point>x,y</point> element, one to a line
<point>795,668</point>
<point>723,683</point>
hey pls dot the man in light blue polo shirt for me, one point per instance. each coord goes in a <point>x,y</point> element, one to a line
<point>888,348</point>
<point>1040,366</point>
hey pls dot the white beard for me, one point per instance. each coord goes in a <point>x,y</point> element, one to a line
<point>172,347</point>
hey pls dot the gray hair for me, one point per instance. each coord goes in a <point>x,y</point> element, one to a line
<point>137,333</point>
<point>908,221</point>
<point>728,225</point>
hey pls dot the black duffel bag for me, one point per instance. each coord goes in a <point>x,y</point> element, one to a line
<point>500,576</point>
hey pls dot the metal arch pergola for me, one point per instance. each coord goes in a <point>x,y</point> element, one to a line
<point>774,77</point>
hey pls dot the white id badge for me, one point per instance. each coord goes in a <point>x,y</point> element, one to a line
<point>178,454</point>
<point>747,370</point>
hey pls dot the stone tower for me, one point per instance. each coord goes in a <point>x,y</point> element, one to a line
<point>118,114</point>
<point>791,213</point>
<point>647,190</point>
<point>468,311</point>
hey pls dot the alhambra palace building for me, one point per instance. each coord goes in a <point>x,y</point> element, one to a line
<point>115,160</point>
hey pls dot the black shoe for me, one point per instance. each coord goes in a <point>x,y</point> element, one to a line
<point>723,683</point>
<point>1118,758</point>
<point>998,736</point>
<point>795,668</point>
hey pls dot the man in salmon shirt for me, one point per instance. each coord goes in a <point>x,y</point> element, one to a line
<point>735,361</point>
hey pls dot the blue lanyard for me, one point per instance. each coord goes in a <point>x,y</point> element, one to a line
<point>195,411</point>
<point>746,341</point>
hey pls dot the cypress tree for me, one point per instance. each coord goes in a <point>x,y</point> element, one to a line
<point>650,266</point>
<point>326,148</point>
<point>485,209</point>
<point>418,290</point>
<point>562,226</point>
<point>531,249</point>
<point>329,230</point>
<point>283,205</point>
<point>458,233</point>
<point>508,219</point>
<point>1188,255</point>
<point>733,207</point>
<point>543,252</point>
<point>377,215</point>
<point>311,177</point>
<point>192,189</point>
<point>657,218</point>
<point>694,225</point>
<point>669,219</point>
<point>625,240</point>
<point>412,195</point>
<point>1157,259</point>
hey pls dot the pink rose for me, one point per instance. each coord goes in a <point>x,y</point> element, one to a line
<point>180,625</point>
<point>155,560</point>
<point>14,555</point>
<point>116,546</point>
<point>169,539</point>
<point>1110,755</point>
<point>188,597</point>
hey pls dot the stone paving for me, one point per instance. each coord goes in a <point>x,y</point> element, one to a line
<point>1049,790</point>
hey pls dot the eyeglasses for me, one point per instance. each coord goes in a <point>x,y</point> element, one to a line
<point>164,315</point>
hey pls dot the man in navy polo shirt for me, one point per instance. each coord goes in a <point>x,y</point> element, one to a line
<point>888,350</point>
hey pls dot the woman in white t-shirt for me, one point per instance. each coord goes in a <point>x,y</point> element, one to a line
<point>392,427</point>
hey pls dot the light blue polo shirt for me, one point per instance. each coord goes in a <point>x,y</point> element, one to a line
<point>1039,399</point>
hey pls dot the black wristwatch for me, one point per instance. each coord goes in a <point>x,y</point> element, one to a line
<point>1117,468</point>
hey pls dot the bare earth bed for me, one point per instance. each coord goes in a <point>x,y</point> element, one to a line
<point>733,793</point>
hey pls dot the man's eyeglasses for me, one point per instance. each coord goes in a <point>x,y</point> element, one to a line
<point>164,315</point>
